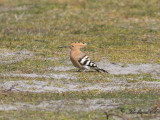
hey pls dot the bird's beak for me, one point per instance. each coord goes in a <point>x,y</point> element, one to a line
<point>64,47</point>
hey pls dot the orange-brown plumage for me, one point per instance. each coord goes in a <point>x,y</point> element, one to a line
<point>76,54</point>
<point>79,59</point>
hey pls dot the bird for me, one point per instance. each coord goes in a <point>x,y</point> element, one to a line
<point>80,59</point>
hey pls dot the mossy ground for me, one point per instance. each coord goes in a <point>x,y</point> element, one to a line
<point>117,31</point>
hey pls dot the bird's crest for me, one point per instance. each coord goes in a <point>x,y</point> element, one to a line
<point>78,44</point>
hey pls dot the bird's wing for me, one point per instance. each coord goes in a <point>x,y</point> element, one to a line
<point>85,61</point>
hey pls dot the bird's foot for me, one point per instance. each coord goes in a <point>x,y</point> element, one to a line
<point>80,70</point>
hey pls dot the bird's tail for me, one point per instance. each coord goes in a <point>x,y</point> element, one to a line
<point>101,70</point>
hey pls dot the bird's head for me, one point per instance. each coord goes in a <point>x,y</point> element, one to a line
<point>77,45</point>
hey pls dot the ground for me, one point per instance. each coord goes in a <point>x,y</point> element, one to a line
<point>38,81</point>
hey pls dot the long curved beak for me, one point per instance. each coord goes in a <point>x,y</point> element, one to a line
<point>64,47</point>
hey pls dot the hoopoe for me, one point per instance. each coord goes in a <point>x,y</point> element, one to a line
<point>80,59</point>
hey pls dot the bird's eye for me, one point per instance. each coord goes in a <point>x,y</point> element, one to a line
<point>72,45</point>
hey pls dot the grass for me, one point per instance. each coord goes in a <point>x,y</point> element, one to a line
<point>39,97</point>
<point>42,115</point>
<point>118,31</point>
<point>125,31</point>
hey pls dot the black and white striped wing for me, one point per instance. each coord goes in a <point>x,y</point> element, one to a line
<point>85,61</point>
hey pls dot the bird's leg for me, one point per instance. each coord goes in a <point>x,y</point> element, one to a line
<point>81,70</point>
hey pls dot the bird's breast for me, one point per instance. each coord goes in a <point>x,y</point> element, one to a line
<point>74,57</point>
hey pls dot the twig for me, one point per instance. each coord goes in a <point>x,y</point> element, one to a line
<point>123,117</point>
<point>12,87</point>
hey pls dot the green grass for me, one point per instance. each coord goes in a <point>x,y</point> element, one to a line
<point>124,31</point>
<point>39,97</point>
<point>43,115</point>
<point>119,31</point>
